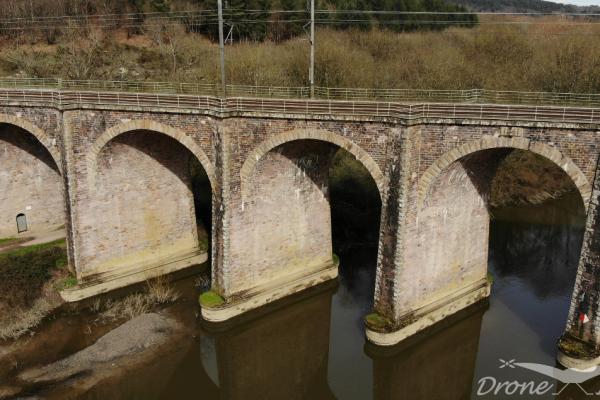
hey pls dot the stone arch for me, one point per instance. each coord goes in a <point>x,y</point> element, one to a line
<point>311,134</point>
<point>492,142</point>
<point>154,126</point>
<point>37,132</point>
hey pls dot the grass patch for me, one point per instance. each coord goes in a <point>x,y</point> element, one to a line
<point>21,251</point>
<point>25,271</point>
<point>378,322</point>
<point>211,299</point>
<point>28,280</point>
<point>66,283</point>
<point>5,241</point>
<point>159,291</point>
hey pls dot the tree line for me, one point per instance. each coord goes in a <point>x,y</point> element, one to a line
<point>254,20</point>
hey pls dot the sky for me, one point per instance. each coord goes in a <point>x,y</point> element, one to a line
<point>579,2</point>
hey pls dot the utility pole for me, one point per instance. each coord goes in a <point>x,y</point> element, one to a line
<point>222,48</point>
<point>311,71</point>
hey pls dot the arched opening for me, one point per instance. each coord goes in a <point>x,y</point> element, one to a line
<point>517,217</point>
<point>147,187</point>
<point>31,185</point>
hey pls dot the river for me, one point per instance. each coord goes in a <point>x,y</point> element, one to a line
<point>313,346</point>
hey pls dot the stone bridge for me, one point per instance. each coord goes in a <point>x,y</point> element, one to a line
<point>117,177</point>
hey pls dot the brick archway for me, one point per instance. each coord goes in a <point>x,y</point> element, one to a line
<point>311,134</point>
<point>491,142</point>
<point>37,132</point>
<point>154,126</point>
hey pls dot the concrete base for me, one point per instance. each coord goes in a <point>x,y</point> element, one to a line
<point>576,363</point>
<point>433,313</point>
<point>268,295</point>
<point>117,279</point>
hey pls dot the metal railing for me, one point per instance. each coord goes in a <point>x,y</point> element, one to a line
<point>471,96</point>
<point>304,107</point>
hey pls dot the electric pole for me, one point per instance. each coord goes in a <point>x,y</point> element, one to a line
<point>221,47</point>
<point>311,71</point>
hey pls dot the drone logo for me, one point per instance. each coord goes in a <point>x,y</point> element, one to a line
<point>567,376</point>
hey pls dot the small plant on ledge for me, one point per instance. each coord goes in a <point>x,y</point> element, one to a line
<point>211,299</point>
<point>378,323</point>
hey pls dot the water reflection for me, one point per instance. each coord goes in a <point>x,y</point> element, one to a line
<point>437,364</point>
<point>282,354</point>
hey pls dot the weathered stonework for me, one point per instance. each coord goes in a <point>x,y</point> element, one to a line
<point>30,183</point>
<point>127,199</point>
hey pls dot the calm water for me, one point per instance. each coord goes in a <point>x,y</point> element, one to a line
<point>314,347</point>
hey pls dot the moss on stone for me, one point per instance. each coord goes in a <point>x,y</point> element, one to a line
<point>577,348</point>
<point>211,299</point>
<point>336,259</point>
<point>203,244</point>
<point>378,323</point>
<point>490,278</point>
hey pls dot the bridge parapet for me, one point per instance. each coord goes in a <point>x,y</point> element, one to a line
<point>400,112</point>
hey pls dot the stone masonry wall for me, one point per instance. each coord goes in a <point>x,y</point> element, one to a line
<point>432,151</point>
<point>284,228</point>
<point>144,201</point>
<point>282,214</point>
<point>30,184</point>
<point>132,203</point>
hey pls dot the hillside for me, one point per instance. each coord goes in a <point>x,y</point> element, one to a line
<point>540,6</point>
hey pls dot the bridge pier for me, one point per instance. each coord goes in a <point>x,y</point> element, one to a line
<point>579,346</point>
<point>278,239</point>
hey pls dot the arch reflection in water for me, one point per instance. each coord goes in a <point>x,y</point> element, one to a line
<point>438,364</point>
<point>279,352</point>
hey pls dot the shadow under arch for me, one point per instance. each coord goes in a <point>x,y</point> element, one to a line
<point>453,236</point>
<point>309,134</point>
<point>36,132</point>
<point>565,163</point>
<point>142,189</point>
<point>147,125</point>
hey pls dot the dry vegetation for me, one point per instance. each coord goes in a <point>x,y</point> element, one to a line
<point>525,178</point>
<point>544,55</point>
<point>159,291</point>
